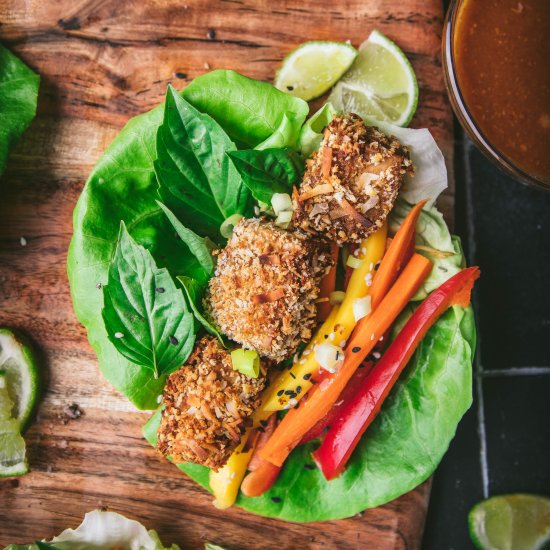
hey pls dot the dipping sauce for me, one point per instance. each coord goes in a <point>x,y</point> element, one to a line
<point>502,61</point>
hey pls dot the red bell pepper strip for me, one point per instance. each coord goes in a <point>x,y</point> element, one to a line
<point>356,415</point>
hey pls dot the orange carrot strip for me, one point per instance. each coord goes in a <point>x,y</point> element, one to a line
<point>367,333</point>
<point>328,284</point>
<point>259,481</point>
<point>397,255</point>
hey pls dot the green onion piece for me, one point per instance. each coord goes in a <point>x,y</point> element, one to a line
<point>281,202</point>
<point>226,228</point>
<point>246,361</point>
<point>353,262</point>
<point>283,219</point>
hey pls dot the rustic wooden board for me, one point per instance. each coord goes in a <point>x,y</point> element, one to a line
<point>103,61</point>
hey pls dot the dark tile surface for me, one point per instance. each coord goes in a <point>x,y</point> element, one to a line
<point>503,443</point>
<point>517,425</point>
<point>511,226</point>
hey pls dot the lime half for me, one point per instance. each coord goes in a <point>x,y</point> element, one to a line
<point>19,368</point>
<point>380,85</point>
<point>511,522</point>
<point>12,444</point>
<point>313,68</point>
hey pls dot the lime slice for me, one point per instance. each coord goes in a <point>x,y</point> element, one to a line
<point>380,85</point>
<point>12,444</point>
<point>511,522</point>
<point>19,367</point>
<point>313,68</point>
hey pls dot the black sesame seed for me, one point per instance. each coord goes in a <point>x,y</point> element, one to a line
<point>307,376</point>
<point>260,429</point>
<point>289,392</point>
<point>211,34</point>
<point>297,405</point>
<point>263,423</point>
<point>292,374</point>
<point>376,266</point>
<point>356,349</point>
<point>293,395</point>
<point>159,290</point>
<point>290,88</point>
<point>309,466</point>
<point>275,499</point>
<point>182,76</point>
<point>298,389</point>
<point>173,340</point>
<point>326,336</point>
<point>280,392</point>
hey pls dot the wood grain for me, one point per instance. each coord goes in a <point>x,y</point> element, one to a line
<point>101,62</point>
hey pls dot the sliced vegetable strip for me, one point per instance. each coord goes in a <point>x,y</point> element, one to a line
<point>357,414</point>
<point>398,254</point>
<point>328,284</point>
<point>368,331</point>
<point>336,329</point>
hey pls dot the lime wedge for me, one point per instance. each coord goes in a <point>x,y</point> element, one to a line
<point>511,522</point>
<point>12,444</point>
<point>380,85</point>
<point>19,367</point>
<point>313,68</point>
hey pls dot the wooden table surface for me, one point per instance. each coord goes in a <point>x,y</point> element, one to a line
<point>102,62</point>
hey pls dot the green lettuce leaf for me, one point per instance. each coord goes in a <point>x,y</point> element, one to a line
<point>311,133</point>
<point>197,180</point>
<point>18,96</point>
<point>250,111</point>
<point>398,451</point>
<point>268,171</point>
<point>145,315</point>
<point>102,530</point>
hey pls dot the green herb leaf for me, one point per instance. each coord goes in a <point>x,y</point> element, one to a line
<point>200,247</point>
<point>145,315</point>
<point>194,292</point>
<point>285,135</point>
<point>18,95</point>
<point>268,171</point>
<point>197,180</point>
<point>249,110</point>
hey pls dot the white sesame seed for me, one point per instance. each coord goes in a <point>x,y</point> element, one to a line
<point>302,361</point>
<point>332,336</point>
<point>371,266</point>
<point>119,335</point>
<point>368,279</point>
<point>23,241</point>
<point>372,337</point>
<point>159,399</point>
<point>363,251</point>
<point>292,402</point>
<point>381,338</point>
<point>376,355</point>
<point>306,352</point>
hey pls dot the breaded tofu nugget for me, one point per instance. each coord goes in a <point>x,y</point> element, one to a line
<point>207,407</point>
<point>351,182</point>
<point>264,289</point>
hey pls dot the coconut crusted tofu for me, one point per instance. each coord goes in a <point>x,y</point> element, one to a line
<point>207,407</point>
<point>351,182</point>
<point>264,289</point>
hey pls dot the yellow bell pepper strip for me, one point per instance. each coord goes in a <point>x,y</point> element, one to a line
<point>293,384</point>
<point>225,483</point>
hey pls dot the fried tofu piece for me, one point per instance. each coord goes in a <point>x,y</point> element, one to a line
<point>207,407</point>
<point>351,182</point>
<point>264,289</point>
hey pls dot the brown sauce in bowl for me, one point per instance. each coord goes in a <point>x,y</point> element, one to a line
<point>502,61</point>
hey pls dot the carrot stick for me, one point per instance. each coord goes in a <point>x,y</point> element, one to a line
<point>328,284</point>
<point>259,481</point>
<point>367,333</point>
<point>396,257</point>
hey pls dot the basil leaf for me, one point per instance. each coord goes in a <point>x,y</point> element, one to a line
<point>145,315</point>
<point>249,110</point>
<point>285,135</point>
<point>194,292</point>
<point>268,171</point>
<point>200,247</point>
<point>197,180</point>
<point>18,95</point>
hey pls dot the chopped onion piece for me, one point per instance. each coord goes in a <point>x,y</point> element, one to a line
<point>281,202</point>
<point>246,361</point>
<point>337,297</point>
<point>353,262</point>
<point>283,219</point>
<point>361,307</point>
<point>329,356</point>
<point>226,228</point>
